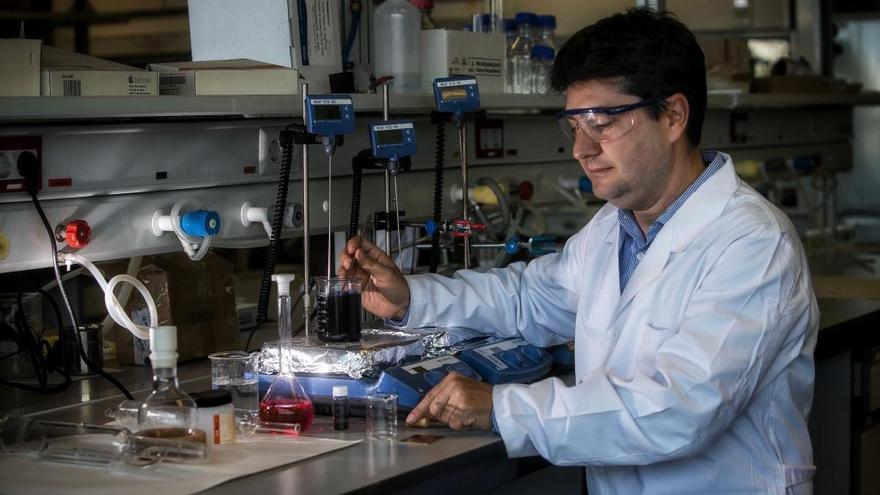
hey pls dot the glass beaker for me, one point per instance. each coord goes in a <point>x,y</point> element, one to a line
<point>382,416</point>
<point>338,302</point>
<point>236,371</point>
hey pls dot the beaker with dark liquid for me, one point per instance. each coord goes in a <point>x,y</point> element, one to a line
<point>338,304</point>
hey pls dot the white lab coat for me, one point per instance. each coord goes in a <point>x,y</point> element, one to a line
<point>698,378</point>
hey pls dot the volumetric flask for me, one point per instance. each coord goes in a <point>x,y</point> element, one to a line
<point>382,416</point>
<point>339,309</point>
<point>286,402</point>
<point>235,371</point>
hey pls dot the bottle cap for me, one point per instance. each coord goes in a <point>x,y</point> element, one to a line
<point>526,18</point>
<point>543,52</point>
<point>283,280</point>
<point>163,346</point>
<point>212,398</point>
<point>547,21</point>
<point>340,390</point>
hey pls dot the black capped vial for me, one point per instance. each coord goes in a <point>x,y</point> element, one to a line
<point>340,407</point>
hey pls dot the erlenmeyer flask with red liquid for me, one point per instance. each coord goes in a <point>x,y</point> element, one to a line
<point>286,402</point>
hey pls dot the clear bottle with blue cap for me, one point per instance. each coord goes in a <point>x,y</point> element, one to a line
<point>546,35</point>
<point>510,36</point>
<point>542,63</point>
<point>521,52</point>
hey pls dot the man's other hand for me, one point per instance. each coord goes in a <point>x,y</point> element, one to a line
<point>461,402</point>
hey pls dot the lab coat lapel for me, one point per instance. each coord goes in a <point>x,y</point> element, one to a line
<point>702,208</point>
<point>602,292</point>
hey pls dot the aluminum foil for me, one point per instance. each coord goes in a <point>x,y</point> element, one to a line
<point>378,348</point>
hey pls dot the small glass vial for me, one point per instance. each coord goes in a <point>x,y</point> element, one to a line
<point>215,415</point>
<point>167,407</point>
<point>340,407</point>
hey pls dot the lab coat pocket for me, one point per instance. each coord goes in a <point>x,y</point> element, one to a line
<point>653,337</point>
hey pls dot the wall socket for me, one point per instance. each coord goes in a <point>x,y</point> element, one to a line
<point>11,149</point>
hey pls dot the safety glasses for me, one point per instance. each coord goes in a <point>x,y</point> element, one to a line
<point>601,124</point>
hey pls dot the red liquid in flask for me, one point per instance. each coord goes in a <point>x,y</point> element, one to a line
<point>288,411</point>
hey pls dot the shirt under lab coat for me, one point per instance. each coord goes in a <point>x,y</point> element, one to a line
<point>697,378</point>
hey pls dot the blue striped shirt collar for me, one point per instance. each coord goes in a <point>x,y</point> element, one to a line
<point>627,219</point>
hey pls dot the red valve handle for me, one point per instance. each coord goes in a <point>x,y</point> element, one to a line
<point>77,234</point>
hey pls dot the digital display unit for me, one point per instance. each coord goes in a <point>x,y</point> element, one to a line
<point>393,140</point>
<point>389,137</point>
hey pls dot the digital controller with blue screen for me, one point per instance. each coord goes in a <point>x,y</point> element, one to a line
<point>393,140</point>
<point>457,94</point>
<point>329,115</point>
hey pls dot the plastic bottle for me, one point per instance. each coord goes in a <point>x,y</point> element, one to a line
<point>542,62</point>
<point>340,407</point>
<point>510,35</point>
<point>215,415</point>
<point>167,407</point>
<point>521,51</point>
<point>396,33</point>
<point>546,31</point>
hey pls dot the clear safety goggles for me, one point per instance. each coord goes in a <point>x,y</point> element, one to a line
<point>601,124</point>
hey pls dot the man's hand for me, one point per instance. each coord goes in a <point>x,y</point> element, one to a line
<point>385,292</point>
<point>458,401</point>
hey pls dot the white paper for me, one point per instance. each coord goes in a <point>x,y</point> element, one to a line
<point>26,475</point>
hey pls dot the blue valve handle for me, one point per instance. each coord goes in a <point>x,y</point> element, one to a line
<point>585,185</point>
<point>200,223</point>
<point>511,246</point>
<point>431,227</point>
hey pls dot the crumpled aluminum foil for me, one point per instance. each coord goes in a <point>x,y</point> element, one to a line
<point>378,348</point>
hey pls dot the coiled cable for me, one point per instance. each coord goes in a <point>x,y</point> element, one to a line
<point>277,222</point>
<point>437,214</point>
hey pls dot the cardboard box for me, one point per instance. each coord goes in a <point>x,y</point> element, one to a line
<point>225,77</point>
<point>276,32</point>
<point>20,67</point>
<point>445,53</point>
<point>196,296</point>
<point>74,74</point>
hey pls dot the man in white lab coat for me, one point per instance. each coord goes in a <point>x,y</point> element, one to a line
<point>688,295</point>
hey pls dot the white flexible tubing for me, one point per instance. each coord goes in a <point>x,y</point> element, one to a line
<point>191,245</point>
<point>134,264</point>
<point>114,308</point>
<point>574,200</point>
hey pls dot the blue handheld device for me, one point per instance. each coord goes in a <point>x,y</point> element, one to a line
<point>393,140</point>
<point>457,94</point>
<point>329,115</point>
<point>508,361</point>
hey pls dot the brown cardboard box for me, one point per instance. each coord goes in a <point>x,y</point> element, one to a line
<point>196,296</point>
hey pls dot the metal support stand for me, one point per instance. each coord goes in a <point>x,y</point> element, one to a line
<point>307,299</point>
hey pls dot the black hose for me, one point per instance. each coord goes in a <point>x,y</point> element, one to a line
<point>358,173</point>
<point>437,215</point>
<point>82,354</point>
<point>277,223</point>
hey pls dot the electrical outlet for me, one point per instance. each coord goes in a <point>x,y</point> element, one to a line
<point>11,150</point>
<point>271,154</point>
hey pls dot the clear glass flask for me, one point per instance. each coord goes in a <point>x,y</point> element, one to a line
<point>286,402</point>
<point>167,407</point>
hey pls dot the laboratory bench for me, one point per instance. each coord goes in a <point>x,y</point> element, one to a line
<point>476,462</point>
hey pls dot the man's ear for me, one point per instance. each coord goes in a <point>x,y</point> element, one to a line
<point>677,113</point>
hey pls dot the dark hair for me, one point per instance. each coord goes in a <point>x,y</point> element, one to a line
<point>651,53</point>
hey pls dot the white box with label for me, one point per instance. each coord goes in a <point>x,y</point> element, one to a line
<point>445,53</point>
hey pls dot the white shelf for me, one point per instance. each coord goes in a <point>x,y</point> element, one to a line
<point>16,110</point>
